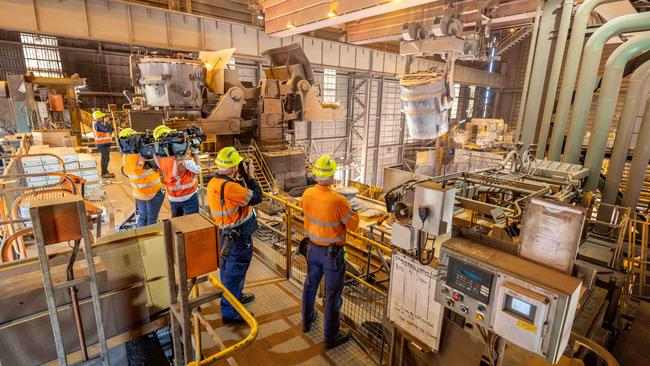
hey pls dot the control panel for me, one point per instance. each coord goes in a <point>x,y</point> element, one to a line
<point>465,288</point>
<point>528,304</point>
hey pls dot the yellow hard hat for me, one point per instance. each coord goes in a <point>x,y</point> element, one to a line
<point>161,130</point>
<point>98,114</point>
<point>324,167</point>
<point>228,157</point>
<point>127,132</point>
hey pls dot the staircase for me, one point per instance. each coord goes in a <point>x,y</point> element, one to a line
<point>262,174</point>
<point>513,39</point>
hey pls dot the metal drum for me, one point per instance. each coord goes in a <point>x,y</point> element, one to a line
<point>427,115</point>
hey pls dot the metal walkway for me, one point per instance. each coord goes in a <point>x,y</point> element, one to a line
<point>280,340</point>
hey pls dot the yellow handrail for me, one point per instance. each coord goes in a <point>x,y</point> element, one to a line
<point>293,206</point>
<point>248,318</point>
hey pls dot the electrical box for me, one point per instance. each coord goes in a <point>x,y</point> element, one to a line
<point>528,304</point>
<point>60,218</point>
<point>404,237</point>
<point>436,205</point>
<point>199,238</point>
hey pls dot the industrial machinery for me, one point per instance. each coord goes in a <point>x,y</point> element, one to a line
<point>527,304</point>
<point>29,102</point>
<point>182,90</point>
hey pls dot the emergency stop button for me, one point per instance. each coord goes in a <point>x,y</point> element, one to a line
<point>457,296</point>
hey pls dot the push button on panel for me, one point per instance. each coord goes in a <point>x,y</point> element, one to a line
<point>457,296</point>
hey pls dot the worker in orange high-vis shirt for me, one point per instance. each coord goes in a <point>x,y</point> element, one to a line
<point>103,130</point>
<point>147,189</point>
<point>231,195</point>
<point>327,217</point>
<point>179,174</point>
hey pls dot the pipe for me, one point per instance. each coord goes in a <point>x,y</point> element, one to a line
<point>639,164</point>
<point>554,78</point>
<point>538,74</point>
<point>588,74</point>
<point>529,66</point>
<point>609,90</point>
<point>574,51</point>
<point>633,100</point>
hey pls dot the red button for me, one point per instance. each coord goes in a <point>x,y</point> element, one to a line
<point>457,297</point>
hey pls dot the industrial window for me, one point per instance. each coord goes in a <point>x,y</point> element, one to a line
<point>232,65</point>
<point>470,101</point>
<point>329,86</point>
<point>42,55</point>
<point>454,106</point>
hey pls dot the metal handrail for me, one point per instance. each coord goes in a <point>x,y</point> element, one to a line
<point>265,168</point>
<point>596,348</point>
<point>245,314</point>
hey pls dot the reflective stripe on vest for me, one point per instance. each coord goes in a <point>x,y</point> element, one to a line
<point>180,188</point>
<point>145,183</point>
<point>238,222</point>
<point>337,239</point>
<point>223,213</point>
<point>102,137</point>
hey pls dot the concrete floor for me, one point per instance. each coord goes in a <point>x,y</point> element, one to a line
<point>276,308</point>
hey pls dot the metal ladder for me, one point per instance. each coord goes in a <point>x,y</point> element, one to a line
<point>263,173</point>
<point>513,39</point>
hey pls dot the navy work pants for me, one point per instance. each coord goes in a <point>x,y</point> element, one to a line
<point>147,211</point>
<point>187,207</point>
<point>105,152</point>
<point>320,263</point>
<point>235,265</point>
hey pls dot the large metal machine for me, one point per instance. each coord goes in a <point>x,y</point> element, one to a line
<point>180,90</point>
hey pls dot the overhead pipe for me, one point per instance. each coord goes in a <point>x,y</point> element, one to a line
<point>636,93</point>
<point>589,73</point>
<point>554,77</point>
<point>574,51</point>
<point>529,66</point>
<point>639,165</point>
<point>538,74</point>
<point>606,107</point>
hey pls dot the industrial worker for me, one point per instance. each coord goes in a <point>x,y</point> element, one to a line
<point>179,175</point>
<point>327,217</point>
<point>147,189</point>
<point>231,195</point>
<point>103,129</point>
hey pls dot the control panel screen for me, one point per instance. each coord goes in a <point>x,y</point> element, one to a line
<point>469,279</point>
<point>520,307</point>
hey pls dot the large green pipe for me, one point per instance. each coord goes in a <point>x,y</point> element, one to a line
<point>634,98</point>
<point>570,73</point>
<point>639,164</point>
<point>609,90</point>
<point>539,72</point>
<point>554,78</point>
<point>529,66</point>
<point>589,73</point>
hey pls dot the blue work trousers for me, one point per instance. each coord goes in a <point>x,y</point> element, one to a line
<point>147,211</point>
<point>235,265</point>
<point>187,207</point>
<point>320,263</point>
<point>105,152</point>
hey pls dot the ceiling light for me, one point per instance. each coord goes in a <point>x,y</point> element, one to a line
<point>260,15</point>
<point>290,25</point>
<point>332,13</point>
<point>512,30</point>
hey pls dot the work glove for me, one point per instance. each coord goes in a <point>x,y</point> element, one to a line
<point>250,169</point>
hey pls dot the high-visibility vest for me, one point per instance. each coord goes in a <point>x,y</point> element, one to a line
<point>102,137</point>
<point>327,216</point>
<point>145,183</point>
<point>179,187</point>
<point>234,210</point>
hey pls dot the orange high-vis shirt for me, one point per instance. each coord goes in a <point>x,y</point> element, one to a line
<point>327,215</point>
<point>180,187</point>
<point>235,209</point>
<point>145,183</point>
